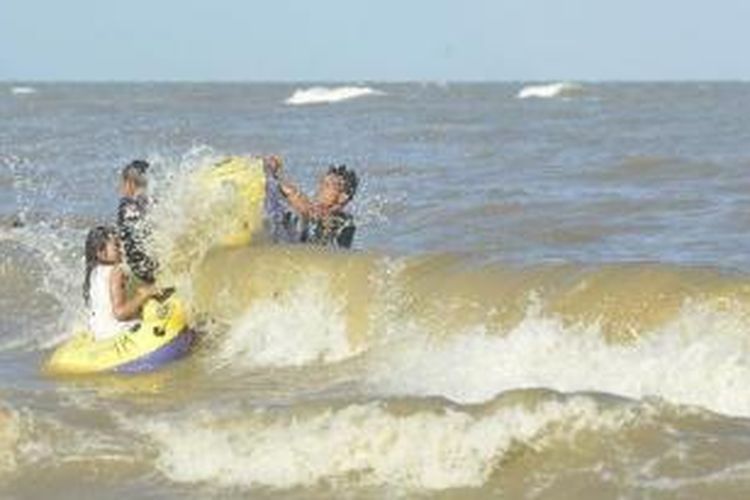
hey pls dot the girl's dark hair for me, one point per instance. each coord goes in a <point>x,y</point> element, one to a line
<point>95,241</point>
<point>348,176</point>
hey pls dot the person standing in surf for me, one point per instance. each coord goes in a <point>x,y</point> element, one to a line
<point>321,220</point>
<point>132,227</point>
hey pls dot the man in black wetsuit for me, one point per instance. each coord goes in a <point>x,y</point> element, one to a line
<point>319,221</point>
<point>132,227</point>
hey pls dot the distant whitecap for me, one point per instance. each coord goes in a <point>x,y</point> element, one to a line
<point>22,90</point>
<point>325,95</point>
<point>548,91</point>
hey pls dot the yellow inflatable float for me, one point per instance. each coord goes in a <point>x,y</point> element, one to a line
<point>236,187</point>
<point>240,179</point>
<point>162,336</point>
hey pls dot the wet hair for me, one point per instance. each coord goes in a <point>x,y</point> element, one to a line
<point>347,176</point>
<point>136,171</point>
<point>95,242</point>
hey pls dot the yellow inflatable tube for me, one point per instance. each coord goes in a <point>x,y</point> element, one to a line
<point>243,180</point>
<point>160,337</point>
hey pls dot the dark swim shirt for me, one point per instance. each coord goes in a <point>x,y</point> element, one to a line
<point>336,230</point>
<point>285,226</point>
<point>134,234</point>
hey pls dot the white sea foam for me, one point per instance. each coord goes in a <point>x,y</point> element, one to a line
<point>42,440</point>
<point>306,320</point>
<point>702,357</point>
<point>325,95</point>
<point>559,89</point>
<point>9,435</point>
<point>360,445</point>
<point>22,90</point>
<point>303,325</point>
<point>52,283</point>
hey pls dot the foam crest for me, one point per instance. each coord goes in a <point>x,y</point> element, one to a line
<point>701,357</point>
<point>40,439</point>
<point>296,305</point>
<point>304,324</point>
<point>549,90</point>
<point>326,95</point>
<point>362,445</point>
<point>9,435</point>
<point>20,90</point>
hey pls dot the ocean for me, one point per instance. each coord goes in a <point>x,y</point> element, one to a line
<point>548,294</point>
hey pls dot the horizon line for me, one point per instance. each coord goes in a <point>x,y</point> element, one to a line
<point>366,81</point>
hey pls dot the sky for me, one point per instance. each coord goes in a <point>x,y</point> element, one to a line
<point>383,40</point>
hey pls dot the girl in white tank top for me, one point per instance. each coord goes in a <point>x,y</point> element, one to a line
<point>104,286</point>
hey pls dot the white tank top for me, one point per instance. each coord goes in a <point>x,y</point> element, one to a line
<point>102,321</point>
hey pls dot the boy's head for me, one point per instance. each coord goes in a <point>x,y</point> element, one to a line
<point>338,186</point>
<point>133,178</point>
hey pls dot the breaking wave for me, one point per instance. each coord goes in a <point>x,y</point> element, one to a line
<point>632,331</point>
<point>419,445</point>
<point>22,90</point>
<point>559,89</point>
<point>327,95</point>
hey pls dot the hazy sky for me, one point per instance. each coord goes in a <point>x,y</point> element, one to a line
<point>374,40</point>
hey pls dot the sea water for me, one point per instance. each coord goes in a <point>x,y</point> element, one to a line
<point>548,295</point>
